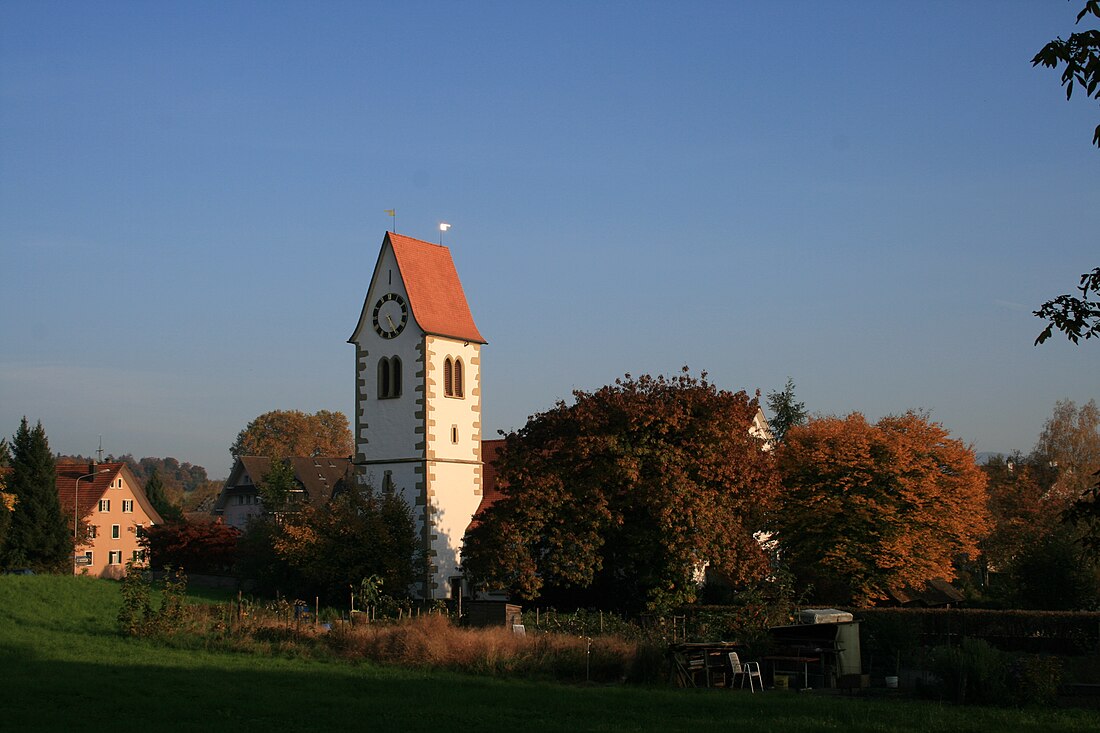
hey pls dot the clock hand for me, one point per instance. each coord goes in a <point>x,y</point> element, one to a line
<point>393,326</point>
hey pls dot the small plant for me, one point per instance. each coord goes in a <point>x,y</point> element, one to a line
<point>137,616</point>
<point>137,610</point>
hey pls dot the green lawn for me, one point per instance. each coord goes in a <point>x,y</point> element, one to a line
<point>64,668</point>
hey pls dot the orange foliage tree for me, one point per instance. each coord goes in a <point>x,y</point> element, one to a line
<point>869,508</point>
<point>620,498</point>
<point>1020,513</point>
<point>284,433</point>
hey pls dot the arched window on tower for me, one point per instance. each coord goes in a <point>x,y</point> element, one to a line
<point>389,377</point>
<point>448,378</point>
<point>458,378</point>
<point>383,378</point>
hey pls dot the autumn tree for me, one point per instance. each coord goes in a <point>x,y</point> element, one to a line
<point>787,412</point>
<point>1018,512</point>
<point>1070,446</point>
<point>203,497</point>
<point>620,498</point>
<point>284,433</point>
<point>7,501</point>
<point>39,536</point>
<point>868,508</point>
<point>196,547</point>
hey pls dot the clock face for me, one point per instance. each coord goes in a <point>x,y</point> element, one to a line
<point>391,313</point>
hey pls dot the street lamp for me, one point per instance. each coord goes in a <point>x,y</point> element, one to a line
<point>76,504</point>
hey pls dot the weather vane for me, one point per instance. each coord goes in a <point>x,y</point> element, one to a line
<point>443,226</point>
<point>393,215</point>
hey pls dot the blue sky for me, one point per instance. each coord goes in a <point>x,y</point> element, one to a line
<point>868,197</point>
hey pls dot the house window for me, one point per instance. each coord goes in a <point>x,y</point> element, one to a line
<point>104,505</point>
<point>389,377</point>
<point>127,505</point>
<point>115,532</point>
<point>454,433</point>
<point>138,556</point>
<point>88,554</point>
<point>115,557</point>
<point>387,482</point>
<point>91,531</point>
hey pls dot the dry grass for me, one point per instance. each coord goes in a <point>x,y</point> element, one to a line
<point>432,642</point>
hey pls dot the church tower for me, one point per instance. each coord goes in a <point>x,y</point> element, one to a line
<point>418,398</point>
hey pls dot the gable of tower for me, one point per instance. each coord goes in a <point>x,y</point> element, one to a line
<point>428,276</point>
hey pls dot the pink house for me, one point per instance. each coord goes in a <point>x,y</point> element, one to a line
<point>109,508</point>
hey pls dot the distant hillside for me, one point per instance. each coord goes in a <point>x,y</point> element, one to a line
<point>185,484</point>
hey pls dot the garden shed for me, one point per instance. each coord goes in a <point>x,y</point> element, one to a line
<point>819,651</point>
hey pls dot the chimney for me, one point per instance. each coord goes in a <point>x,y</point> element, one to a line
<point>92,467</point>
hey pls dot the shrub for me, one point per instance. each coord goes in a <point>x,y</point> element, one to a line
<point>1034,679</point>
<point>138,616</point>
<point>973,672</point>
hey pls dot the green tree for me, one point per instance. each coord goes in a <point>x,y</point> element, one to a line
<point>1079,54</point>
<point>868,508</point>
<point>1084,517</point>
<point>154,490</point>
<point>621,498</point>
<point>357,535</point>
<point>39,536</point>
<point>278,488</point>
<point>1077,318</point>
<point>282,433</point>
<point>1054,575</point>
<point>787,412</point>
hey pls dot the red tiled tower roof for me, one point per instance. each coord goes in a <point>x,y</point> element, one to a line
<point>435,292</point>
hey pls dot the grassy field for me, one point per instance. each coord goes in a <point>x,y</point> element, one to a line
<point>64,668</point>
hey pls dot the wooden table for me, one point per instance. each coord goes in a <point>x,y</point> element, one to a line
<point>689,660</point>
<point>804,661</point>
